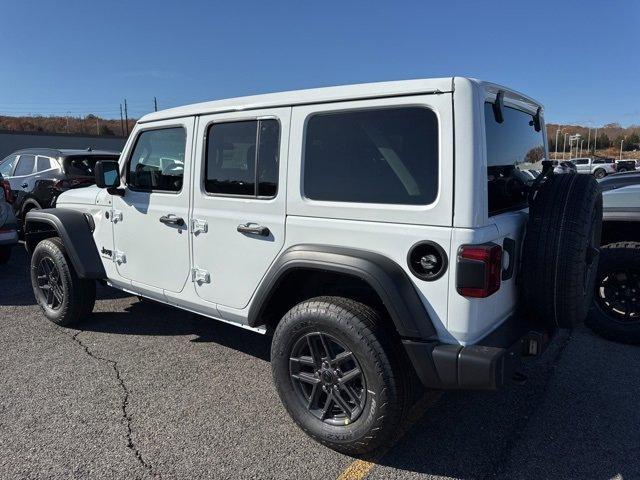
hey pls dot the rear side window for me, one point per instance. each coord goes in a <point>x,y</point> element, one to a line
<point>243,158</point>
<point>513,148</point>
<point>157,161</point>
<point>372,156</point>
<point>44,163</point>
<point>25,165</point>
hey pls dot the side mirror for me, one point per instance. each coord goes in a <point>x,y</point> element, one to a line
<point>107,174</point>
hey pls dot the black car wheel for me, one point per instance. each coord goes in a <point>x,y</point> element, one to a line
<point>615,311</point>
<point>340,375</point>
<point>63,297</point>
<point>599,173</point>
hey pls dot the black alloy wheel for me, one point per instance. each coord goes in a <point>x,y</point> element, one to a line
<point>618,293</point>
<point>49,282</point>
<point>328,379</point>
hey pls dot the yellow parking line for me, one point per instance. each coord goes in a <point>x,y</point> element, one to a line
<point>359,469</point>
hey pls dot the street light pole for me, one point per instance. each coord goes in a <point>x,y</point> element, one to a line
<point>588,142</point>
<point>556,155</point>
<point>621,143</point>
<point>564,145</point>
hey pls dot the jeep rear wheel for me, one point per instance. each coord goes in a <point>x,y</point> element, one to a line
<point>63,297</point>
<point>339,375</point>
<point>560,250</point>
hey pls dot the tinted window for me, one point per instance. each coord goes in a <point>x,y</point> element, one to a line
<point>82,165</point>
<point>233,162</point>
<point>582,161</point>
<point>6,166</point>
<point>43,163</point>
<point>372,156</point>
<point>512,147</point>
<point>157,161</point>
<point>25,165</point>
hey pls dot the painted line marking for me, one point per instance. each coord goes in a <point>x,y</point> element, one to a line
<point>359,469</point>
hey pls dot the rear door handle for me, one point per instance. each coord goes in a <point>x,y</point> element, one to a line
<point>171,219</point>
<point>254,229</point>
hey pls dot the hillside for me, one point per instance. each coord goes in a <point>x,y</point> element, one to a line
<point>89,125</point>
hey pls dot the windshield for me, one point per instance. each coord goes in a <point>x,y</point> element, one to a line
<point>513,149</point>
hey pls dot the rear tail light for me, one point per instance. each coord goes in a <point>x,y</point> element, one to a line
<point>8,194</point>
<point>479,270</point>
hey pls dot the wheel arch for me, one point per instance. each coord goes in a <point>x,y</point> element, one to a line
<point>74,231</point>
<point>381,275</point>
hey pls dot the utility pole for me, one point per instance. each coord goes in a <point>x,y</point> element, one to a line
<point>155,104</point>
<point>126,117</point>
<point>121,121</point>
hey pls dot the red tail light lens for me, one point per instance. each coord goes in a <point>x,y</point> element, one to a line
<point>8,194</point>
<point>479,270</point>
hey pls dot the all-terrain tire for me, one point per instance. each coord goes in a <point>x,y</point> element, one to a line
<point>622,258</point>
<point>560,249</point>
<point>78,295</point>
<point>385,369</point>
<point>5,254</point>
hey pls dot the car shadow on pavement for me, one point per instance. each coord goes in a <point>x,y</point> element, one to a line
<point>150,318</point>
<point>576,417</point>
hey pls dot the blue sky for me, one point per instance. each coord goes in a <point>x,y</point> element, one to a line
<point>580,58</point>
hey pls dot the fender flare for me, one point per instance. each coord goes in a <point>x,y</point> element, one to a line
<point>385,276</point>
<point>75,232</point>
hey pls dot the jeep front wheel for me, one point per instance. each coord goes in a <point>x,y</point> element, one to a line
<point>339,375</point>
<point>63,297</point>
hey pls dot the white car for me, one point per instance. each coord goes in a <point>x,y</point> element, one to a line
<point>377,231</point>
<point>598,167</point>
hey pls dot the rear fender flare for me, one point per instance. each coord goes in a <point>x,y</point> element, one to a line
<point>385,276</point>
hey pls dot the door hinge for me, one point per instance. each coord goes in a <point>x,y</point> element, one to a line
<point>116,216</point>
<point>199,226</point>
<point>119,257</point>
<point>200,276</point>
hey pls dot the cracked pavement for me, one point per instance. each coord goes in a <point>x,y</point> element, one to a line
<point>147,391</point>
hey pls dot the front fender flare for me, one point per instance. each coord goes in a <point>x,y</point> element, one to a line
<point>73,229</point>
<point>385,276</point>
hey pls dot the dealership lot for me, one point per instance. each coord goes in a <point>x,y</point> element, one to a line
<point>148,391</point>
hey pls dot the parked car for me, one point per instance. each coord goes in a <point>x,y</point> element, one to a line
<point>8,227</point>
<point>38,175</point>
<point>565,167</point>
<point>327,217</point>
<point>599,167</point>
<point>615,313</point>
<point>626,165</point>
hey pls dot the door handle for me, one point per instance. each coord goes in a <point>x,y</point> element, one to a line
<point>172,220</point>
<point>254,229</point>
<point>24,185</point>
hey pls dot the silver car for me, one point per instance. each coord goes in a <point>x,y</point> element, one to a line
<point>598,167</point>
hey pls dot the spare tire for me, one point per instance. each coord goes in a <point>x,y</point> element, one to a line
<point>560,249</point>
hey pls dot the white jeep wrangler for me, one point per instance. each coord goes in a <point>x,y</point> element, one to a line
<point>376,231</point>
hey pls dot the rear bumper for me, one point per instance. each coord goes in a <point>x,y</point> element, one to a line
<point>8,236</point>
<point>487,365</point>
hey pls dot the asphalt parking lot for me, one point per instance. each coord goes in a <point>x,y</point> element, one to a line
<point>147,391</point>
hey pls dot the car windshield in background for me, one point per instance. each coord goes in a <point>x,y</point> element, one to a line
<point>84,165</point>
<point>513,148</point>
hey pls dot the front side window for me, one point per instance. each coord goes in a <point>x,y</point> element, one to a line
<point>234,166</point>
<point>25,165</point>
<point>7,164</point>
<point>513,148</point>
<point>372,156</point>
<point>157,161</point>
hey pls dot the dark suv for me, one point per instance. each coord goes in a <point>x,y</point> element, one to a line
<point>38,175</point>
